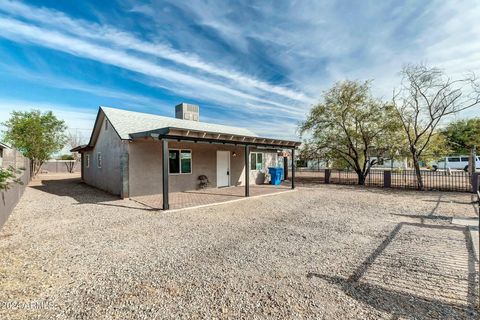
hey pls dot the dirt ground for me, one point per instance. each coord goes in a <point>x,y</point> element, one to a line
<point>327,251</point>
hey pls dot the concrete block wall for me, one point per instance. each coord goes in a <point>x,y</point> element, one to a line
<point>10,197</point>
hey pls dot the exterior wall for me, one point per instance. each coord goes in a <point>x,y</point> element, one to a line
<point>387,163</point>
<point>58,166</point>
<point>270,160</point>
<point>145,166</point>
<point>12,157</point>
<point>11,196</point>
<point>111,147</point>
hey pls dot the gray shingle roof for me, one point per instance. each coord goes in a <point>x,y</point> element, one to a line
<point>127,122</point>
<point>3,145</point>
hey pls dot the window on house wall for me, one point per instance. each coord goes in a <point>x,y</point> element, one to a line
<point>106,124</point>
<point>256,161</point>
<point>99,160</point>
<point>180,161</point>
<point>87,161</point>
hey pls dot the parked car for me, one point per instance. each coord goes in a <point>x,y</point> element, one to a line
<point>455,162</point>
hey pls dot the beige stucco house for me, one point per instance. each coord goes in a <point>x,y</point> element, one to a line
<point>134,154</point>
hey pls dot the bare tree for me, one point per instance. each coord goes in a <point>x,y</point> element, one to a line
<point>426,97</point>
<point>69,162</point>
<point>74,140</point>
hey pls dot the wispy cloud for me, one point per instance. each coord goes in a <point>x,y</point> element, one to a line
<point>126,41</point>
<point>252,61</point>
<point>77,119</point>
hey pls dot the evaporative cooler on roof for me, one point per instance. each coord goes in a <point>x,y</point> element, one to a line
<point>187,111</point>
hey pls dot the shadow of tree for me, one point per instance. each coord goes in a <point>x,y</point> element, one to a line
<point>395,302</point>
<point>402,304</point>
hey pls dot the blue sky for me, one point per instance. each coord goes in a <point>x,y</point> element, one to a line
<point>259,65</point>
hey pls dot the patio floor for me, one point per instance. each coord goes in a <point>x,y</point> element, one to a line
<point>203,197</point>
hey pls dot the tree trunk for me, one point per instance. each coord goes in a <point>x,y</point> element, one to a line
<point>418,173</point>
<point>37,164</point>
<point>70,166</point>
<point>361,178</point>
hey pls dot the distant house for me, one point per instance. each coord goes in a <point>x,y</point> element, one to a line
<point>390,163</point>
<point>133,154</point>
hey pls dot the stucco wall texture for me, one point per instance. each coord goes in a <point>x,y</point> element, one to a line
<point>107,177</point>
<point>144,164</point>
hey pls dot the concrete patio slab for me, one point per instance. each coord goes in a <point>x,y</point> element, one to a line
<point>210,196</point>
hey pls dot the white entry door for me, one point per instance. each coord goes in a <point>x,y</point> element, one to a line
<point>223,168</point>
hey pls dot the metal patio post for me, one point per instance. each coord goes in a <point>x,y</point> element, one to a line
<point>247,172</point>
<point>293,168</point>
<point>166,205</point>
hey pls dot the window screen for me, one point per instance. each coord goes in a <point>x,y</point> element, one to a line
<point>259,161</point>
<point>174,165</point>
<point>253,161</point>
<point>180,161</point>
<point>186,161</point>
<point>256,161</point>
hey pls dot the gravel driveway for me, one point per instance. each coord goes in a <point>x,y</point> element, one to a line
<point>333,252</point>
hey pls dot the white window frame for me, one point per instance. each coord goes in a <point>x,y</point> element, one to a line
<point>87,161</point>
<point>256,155</point>
<point>99,159</point>
<point>179,162</point>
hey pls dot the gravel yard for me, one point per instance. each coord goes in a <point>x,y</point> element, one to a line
<point>333,252</point>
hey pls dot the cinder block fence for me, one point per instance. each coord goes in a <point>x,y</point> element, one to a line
<point>10,197</point>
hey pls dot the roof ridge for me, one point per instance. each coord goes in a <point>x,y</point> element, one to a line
<point>173,118</point>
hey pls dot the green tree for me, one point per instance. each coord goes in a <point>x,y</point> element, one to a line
<point>8,177</point>
<point>462,135</point>
<point>37,135</point>
<point>437,148</point>
<point>350,126</point>
<point>425,98</point>
<point>309,152</point>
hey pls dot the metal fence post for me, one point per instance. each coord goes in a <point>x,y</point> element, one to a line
<point>328,173</point>
<point>475,182</point>
<point>387,179</point>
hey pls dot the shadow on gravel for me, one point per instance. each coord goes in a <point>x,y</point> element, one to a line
<point>422,217</point>
<point>425,304</point>
<point>81,192</point>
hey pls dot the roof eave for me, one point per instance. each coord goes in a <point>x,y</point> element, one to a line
<point>81,148</point>
<point>212,137</point>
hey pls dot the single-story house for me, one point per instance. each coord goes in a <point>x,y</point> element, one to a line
<point>134,154</point>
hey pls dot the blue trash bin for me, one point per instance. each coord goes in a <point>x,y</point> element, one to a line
<point>275,175</point>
